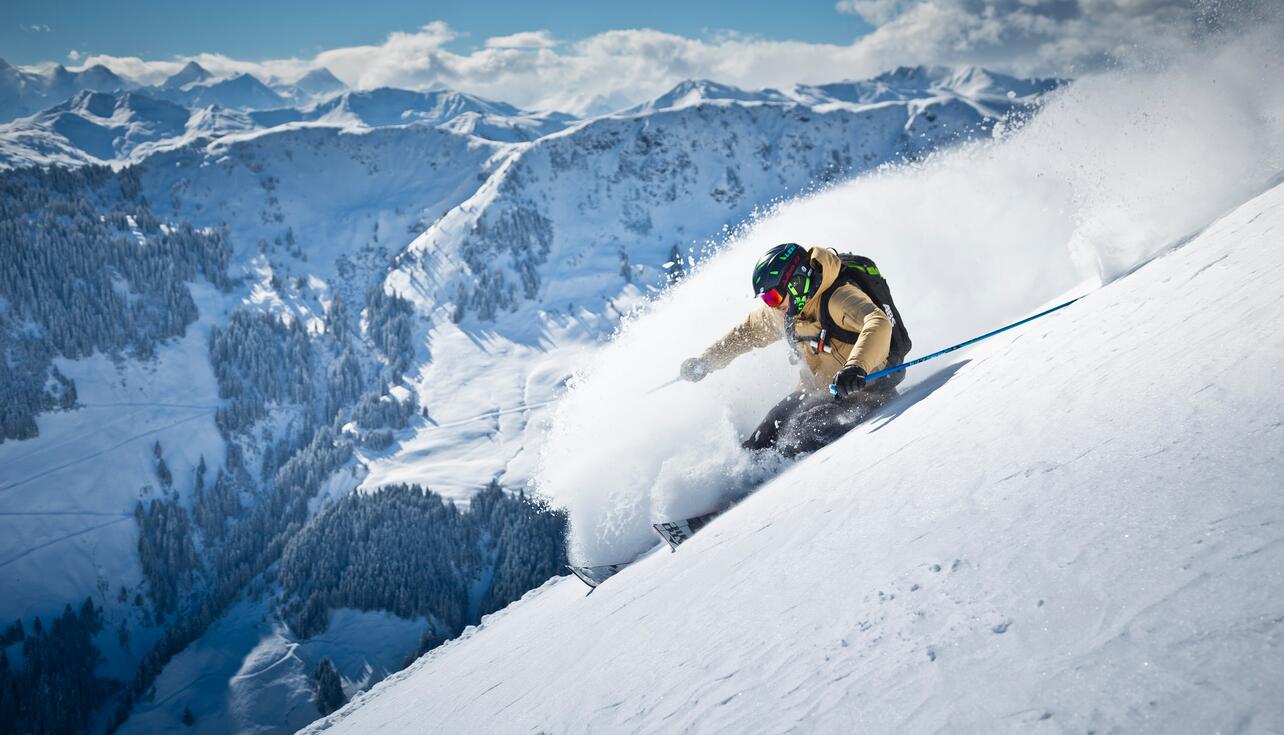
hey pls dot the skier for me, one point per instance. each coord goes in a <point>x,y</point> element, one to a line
<point>820,301</point>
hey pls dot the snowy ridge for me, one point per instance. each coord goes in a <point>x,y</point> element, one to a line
<point>1111,530</point>
<point>23,92</point>
<point>121,128</point>
<point>68,134</point>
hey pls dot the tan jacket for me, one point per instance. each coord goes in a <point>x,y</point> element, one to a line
<point>849,307</point>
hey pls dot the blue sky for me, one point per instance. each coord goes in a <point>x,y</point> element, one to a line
<point>32,31</point>
<point>585,55</point>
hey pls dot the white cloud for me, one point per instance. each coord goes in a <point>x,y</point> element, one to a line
<point>526,39</point>
<point>36,28</point>
<point>73,55</point>
<point>875,12</point>
<point>616,68</point>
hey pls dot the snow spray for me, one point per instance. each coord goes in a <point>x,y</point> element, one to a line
<point>1116,168</point>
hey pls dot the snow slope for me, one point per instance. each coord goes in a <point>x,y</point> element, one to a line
<point>67,497</point>
<point>1077,526</point>
<point>250,674</point>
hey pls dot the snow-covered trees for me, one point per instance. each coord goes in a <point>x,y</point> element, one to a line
<point>55,690</point>
<point>406,550</point>
<point>388,318</point>
<point>165,549</point>
<point>258,360</point>
<point>376,410</point>
<point>86,266</point>
<point>329,687</point>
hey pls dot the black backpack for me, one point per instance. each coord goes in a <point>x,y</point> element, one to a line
<point>861,272</point>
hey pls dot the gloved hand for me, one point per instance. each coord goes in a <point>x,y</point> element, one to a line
<point>693,370</point>
<point>849,380</point>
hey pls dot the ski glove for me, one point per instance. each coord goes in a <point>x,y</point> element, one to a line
<point>849,380</point>
<point>693,370</point>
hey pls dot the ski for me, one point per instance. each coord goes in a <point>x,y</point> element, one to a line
<point>593,576</point>
<point>675,532</point>
<point>672,532</point>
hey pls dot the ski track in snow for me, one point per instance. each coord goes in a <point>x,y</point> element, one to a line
<point>60,539</point>
<point>17,483</point>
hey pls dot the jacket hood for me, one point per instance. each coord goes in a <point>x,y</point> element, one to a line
<point>830,267</point>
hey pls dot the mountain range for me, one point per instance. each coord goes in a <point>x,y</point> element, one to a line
<point>26,91</point>
<point>297,291</point>
<point>119,126</point>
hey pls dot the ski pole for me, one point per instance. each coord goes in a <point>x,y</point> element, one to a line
<point>833,389</point>
<point>662,385</point>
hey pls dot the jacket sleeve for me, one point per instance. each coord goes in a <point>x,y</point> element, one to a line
<point>854,311</point>
<point>759,329</point>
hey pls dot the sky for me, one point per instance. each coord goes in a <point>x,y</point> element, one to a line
<point>33,31</point>
<point>584,56</point>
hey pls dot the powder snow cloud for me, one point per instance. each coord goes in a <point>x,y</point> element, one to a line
<point>608,70</point>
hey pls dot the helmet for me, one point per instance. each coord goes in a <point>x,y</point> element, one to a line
<point>783,271</point>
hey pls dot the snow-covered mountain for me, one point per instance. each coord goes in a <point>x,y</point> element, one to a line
<point>119,128</point>
<point>654,183</point>
<point>1017,543</point>
<point>23,92</point>
<point>241,92</point>
<point>377,304</point>
<point>78,131</point>
<point>908,82</point>
<point>1071,526</point>
<point>702,91</point>
<point>465,113</point>
<point>316,84</point>
<point>306,215</point>
<point>191,73</point>
<point>94,127</point>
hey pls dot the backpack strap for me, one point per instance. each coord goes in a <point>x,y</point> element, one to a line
<point>827,322</point>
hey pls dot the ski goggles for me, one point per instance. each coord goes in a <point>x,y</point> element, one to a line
<point>773,297</point>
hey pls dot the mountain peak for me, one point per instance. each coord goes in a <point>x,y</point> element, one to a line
<point>320,81</point>
<point>191,73</point>
<point>691,92</point>
<point>101,78</point>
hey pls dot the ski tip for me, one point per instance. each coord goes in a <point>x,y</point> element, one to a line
<point>595,575</point>
<point>675,532</point>
<point>661,530</point>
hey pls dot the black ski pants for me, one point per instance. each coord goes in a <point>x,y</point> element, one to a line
<point>805,422</point>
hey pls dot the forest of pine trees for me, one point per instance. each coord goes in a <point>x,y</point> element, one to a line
<point>55,690</point>
<point>259,360</point>
<point>329,687</point>
<point>165,550</point>
<point>407,550</point>
<point>523,236</point>
<point>74,279</point>
<point>388,324</point>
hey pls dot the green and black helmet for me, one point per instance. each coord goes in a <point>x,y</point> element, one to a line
<point>784,270</point>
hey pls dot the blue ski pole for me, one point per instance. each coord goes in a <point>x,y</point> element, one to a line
<point>833,389</point>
